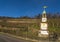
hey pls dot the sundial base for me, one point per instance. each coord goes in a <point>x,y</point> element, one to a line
<point>43,34</point>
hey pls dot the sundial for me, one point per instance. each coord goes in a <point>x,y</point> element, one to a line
<point>43,32</point>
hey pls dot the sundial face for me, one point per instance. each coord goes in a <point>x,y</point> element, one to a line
<point>43,26</point>
<point>44,19</point>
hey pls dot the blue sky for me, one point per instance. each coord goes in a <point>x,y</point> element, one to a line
<point>17,8</point>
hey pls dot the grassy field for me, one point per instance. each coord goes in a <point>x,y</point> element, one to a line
<point>30,28</point>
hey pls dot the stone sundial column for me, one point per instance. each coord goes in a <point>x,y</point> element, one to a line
<point>43,32</point>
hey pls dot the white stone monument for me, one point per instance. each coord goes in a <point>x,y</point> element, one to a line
<point>43,32</point>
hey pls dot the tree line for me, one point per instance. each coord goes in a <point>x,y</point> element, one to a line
<point>38,16</point>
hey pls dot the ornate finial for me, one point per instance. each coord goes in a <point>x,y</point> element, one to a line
<point>44,12</point>
<point>45,7</point>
